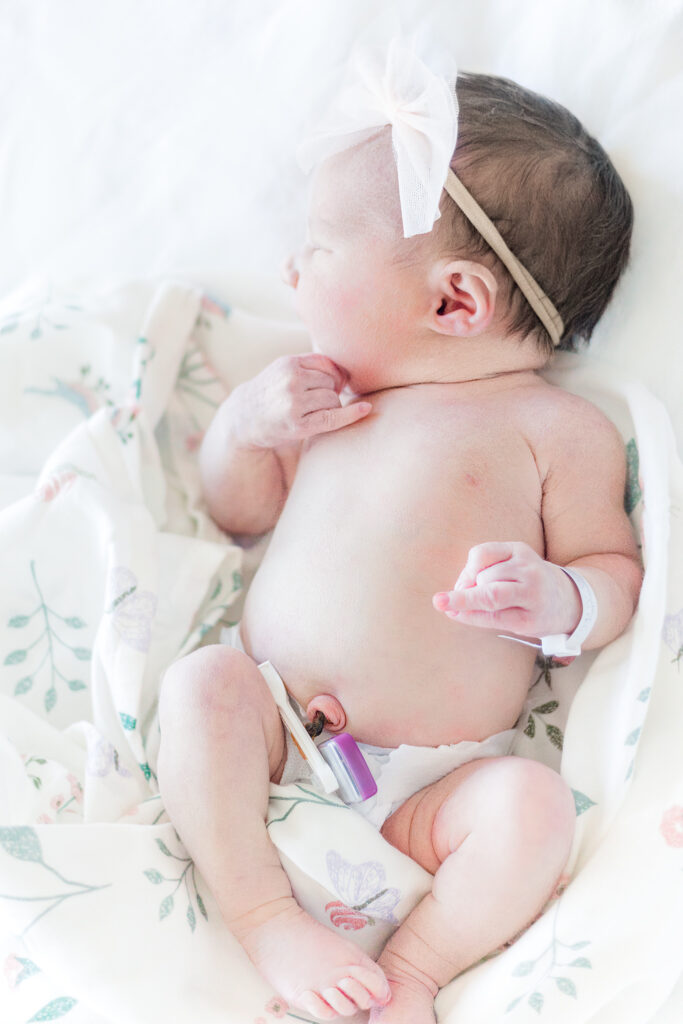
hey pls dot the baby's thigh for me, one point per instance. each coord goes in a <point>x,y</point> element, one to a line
<point>513,802</point>
<point>222,692</point>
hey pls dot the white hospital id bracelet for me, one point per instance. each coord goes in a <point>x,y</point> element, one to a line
<point>562,645</point>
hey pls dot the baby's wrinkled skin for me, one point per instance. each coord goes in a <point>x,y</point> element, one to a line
<point>415,447</point>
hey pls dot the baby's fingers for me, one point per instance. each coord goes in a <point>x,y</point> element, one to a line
<point>512,620</point>
<point>324,420</point>
<point>494,597</point>
<point>481,556</point>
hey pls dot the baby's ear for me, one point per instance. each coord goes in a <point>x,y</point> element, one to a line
<point>463,298</point>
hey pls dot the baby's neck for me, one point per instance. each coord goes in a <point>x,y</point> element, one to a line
<point>473,364</point>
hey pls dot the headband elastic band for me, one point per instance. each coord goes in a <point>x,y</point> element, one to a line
<point>532,291</point>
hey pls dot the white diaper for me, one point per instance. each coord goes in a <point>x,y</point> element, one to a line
<point>398,771</point>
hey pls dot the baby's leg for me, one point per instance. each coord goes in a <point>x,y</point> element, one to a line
<point>496,834</point>
<point>222,740</point>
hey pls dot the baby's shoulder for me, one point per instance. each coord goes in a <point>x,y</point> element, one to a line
<point>564,428</point>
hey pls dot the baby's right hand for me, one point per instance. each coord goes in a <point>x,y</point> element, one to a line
<point>294,398</point>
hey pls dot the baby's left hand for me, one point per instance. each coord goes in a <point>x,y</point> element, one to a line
<point>506,585</point>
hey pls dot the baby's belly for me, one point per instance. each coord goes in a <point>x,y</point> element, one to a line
<point>380,517</point>
<point>402,671</point>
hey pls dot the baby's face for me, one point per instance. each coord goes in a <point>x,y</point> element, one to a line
<point>355,299</point>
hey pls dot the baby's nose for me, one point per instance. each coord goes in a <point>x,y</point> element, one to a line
<point>289,273</point>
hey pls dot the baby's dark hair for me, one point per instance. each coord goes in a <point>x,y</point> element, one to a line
<point>554,195</point>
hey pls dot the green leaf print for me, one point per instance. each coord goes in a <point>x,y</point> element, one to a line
<point>15,657</point>
<point>21,842</point>
<point>54,624</point>
<point>127,721</point>
<point>567,986</point>
<point>632,492</point>
<point>536,1001</point>
<point>53,1010</point>
<point>526,967</point>
<point>632,738</point>
<point>548,708</point>
<point>165,907</point>
<point>186,879</point>
<point>550,965</point>
<point>555,736</point>
<point>582,803</point>
<point>28,969</point>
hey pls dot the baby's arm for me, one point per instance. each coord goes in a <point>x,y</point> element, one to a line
<point>249,455</point>
<point>510,587</point>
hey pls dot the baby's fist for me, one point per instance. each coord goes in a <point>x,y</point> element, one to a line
<point>507,585</point>
<point>294,398</point>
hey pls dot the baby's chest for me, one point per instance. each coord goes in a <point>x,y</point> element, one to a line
<point>420,479</point>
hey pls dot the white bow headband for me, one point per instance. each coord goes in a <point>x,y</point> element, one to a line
<point>394,86</point>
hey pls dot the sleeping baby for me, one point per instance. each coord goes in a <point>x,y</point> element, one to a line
<point>414,446</point>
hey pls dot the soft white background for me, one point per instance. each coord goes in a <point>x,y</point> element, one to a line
<point>141,137</point>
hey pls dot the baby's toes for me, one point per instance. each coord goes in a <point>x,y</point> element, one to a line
<point>312,1003</point>
<point>344,1006</point>
<point>374,981</point>
<point>356,992</point>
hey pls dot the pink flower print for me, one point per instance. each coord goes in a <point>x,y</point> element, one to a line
<point>57,483</point>
<point>76,788</point>
<point>12,970</point>
<point>671,827</point>
<point>89,398</point>
<point>277,1007</point>
<point>44,819</point>
<point>56,802</point>
<point>345,917</point>
<point>260,1020</point>
<point>210,305</point>
<point>193,441</point>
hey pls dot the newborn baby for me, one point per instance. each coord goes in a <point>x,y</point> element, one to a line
<point>416,445</point>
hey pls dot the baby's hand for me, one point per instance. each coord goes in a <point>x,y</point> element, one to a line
<point>292,399</point>
<point>508,586</point>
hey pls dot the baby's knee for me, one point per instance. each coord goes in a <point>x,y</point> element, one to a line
<point>541,805</point>
<point>210,681</point>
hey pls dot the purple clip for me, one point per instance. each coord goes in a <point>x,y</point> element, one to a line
<point>356,782</point>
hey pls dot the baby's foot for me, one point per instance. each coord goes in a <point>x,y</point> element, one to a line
<point>308,965</point>
<point>412,994</point>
